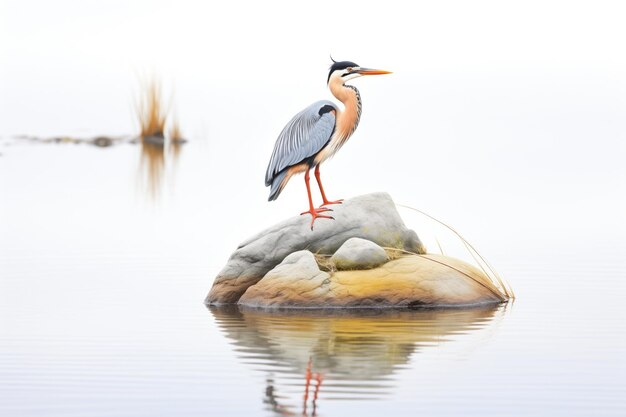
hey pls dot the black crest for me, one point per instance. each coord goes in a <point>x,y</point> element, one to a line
<point>339,65</point>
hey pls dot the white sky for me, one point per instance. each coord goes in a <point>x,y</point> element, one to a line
<point>510,109</point>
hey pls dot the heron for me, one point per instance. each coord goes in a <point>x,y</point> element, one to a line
<point>316,134</point>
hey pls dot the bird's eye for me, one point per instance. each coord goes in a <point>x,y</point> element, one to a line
<point>349,69</point>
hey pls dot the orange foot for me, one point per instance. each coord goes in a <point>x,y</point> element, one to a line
<point>315,214</point>
<point>327,203</point>
<point>317,210</point>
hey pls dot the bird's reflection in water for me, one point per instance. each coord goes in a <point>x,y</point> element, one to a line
<point>155,162</point>
<point>310,356</point>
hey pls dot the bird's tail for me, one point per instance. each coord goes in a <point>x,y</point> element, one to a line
<point>278,183</point>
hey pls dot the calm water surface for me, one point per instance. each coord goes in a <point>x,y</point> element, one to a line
<point>107,254</point>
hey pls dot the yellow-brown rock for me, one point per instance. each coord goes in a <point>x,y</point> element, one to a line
<point>409,281</point>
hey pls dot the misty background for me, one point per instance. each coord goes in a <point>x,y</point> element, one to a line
<point>506,120</point>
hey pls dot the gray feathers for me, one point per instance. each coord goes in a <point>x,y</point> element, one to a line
<point>303,137</point>
<point>278,184</point>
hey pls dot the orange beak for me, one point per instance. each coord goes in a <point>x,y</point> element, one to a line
<point>368,71</point>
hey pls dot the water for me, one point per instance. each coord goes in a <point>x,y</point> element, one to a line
<point>107,254</point>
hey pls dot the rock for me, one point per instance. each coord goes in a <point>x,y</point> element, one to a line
<point>292,282</point>
<point>102,141</point>
<point>357,253</point>
<point>372,216</point>
<point>156,139</point>
<point>409,281</point>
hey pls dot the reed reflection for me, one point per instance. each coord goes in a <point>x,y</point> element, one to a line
<point>314,356</point>
<point>152,168</point>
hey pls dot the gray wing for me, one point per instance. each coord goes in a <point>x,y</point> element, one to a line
<point>304,136</point>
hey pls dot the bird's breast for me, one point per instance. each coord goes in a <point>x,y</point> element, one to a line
<point>345,125</point>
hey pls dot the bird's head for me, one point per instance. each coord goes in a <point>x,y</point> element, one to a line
<point>343,71</point>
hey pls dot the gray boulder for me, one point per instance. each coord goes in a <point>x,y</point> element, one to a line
<point>293,282</point>
<point>357,253</point>
<point>372,216</point>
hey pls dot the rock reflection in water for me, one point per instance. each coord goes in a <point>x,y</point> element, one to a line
<point>312,356</point>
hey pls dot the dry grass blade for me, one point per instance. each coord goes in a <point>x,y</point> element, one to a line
<point>440,248</point>
<point>487,282</point>
<point>324,262</point>
<point>492,274</point>
<point>395,253</point>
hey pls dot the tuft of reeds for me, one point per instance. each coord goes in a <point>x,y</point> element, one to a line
<point>150,111</point>
<point>174,133</point>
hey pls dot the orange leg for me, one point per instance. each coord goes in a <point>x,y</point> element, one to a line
<point>319,183</point>
<point>315,213</point>
<point>307,384</point>
<point>318,378</point>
